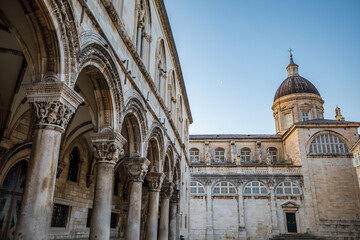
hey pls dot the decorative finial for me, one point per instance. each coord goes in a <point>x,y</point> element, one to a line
<point>291,51</point>
<point>338,115</point>
<point>292,68</point>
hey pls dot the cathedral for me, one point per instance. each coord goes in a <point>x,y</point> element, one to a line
<point>95,144</point>
<point>299,183</point>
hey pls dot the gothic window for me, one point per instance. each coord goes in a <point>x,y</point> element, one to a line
<point>116,183</point>
<point>219,155</point>
<point>273,154</point>
<point>224,188</point>
<point>287,120</point>
<point>160,71</point>
<point>60,216</point>
<point>255,188</point>
<point>287,188</point>
<point>74,165</point>
<point>113,220</point>
<point>196,188</point>
<point>245,154</point>
<point>142,28</point>
<point>328,144</point>
<point>304,116</point>
<point>194,155</point>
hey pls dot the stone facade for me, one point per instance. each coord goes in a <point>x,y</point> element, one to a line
<point>301,180</point>
<point>94,119</point>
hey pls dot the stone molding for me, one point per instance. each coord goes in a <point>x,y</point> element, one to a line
<point>52,103</point>
<point>167,190</point>
<point>137,168</point>
<point>107,146</point>
<point>175,196</point>
<point>155,180</point>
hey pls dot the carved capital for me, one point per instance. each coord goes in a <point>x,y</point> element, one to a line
<point>167,189</point>
<point>155,180</point>
<point>137,168</point>
<point>175,196</point>
<point>107,146</point>
<point>53,103</point>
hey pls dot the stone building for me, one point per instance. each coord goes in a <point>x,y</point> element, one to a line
<point>94,121</point>
<point>295,183</point>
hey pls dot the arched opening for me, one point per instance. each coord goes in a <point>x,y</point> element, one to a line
<point>11,192</point>
<point>131,132</point>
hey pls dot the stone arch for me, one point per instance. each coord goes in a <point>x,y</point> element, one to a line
<point>315,135</point>
<point>157,134</point>
<point>14,155</point>
<point>99,65</point>
<point>160,68</point>
<point>168,165</point>
<point>131,131</point>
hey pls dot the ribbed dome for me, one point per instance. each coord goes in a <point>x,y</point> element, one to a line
<point>295,84</point>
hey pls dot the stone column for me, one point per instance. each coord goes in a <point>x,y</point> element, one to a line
<point>137,169</point>
<point>52,106</point>
<point>166,192</point>
<point>155,180</point>
<point>273,208</point>
<point>241,209</point>
<point>174,202</point>
<point>107,148</point>
<point>209,210</point>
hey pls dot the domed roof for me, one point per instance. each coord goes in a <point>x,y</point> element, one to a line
<point>295,84</point>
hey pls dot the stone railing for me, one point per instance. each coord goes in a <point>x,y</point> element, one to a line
<point>246,169</point>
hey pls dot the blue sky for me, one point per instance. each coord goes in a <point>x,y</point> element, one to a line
<point>245,45</point>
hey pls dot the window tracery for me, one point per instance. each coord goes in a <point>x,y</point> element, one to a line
<point>255,188</point>
<point>224,188</point>
<point>196,188</point>
<point>327,144</point>
<point>287,188</point>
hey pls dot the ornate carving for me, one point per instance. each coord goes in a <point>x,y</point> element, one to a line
<point>107,146</point>
<point>155,180</point>
<point>167,189</point>
<point>137,168</point>
<point>175,196</point>
<point>51,113</point>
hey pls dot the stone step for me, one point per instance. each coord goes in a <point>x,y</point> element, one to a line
<point>295,236</point>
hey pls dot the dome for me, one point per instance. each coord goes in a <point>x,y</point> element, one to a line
<point>295,84</point>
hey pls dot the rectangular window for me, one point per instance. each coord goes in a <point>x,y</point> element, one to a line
<point>194,156</point>
<point>287,120</point>
<point>304,116</point>
<point>113,221</point>
<point>59,216</point>
<point>88,220</point>
<point>219,156</point>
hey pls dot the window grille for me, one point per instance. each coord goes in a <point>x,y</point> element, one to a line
<point>328,144</point>
<point>196,188</point>
<point>224,188</point>
<point>287,188</point>
<point>245,154</point>
<point>194,155</point>
<point>255,188</point>
<point>59,216</point>
<point>304,116</point>
<point>219,156</point>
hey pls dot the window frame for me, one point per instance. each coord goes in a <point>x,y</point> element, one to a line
<point>228,186</point>
<point>292,186</point>
<point>194,150</point>
<point>67,217</point>
<point>197,187</point>
<point>273,158</point>
<point>305,115</point>
<point>250,186</point>
<point>320,144</point>
<point>219,158</point>
<point>245,150</point>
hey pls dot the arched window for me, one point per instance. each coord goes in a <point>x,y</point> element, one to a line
<point>219,155</point>
<point>287,188</point>
<point>194,155</point>
<point>142,29</point>
<point>224,188</point>
<point>196,188</point>
<point>255,188</point>
<point>160,71</point>
<point>74,165</point>
<point>245,154</point>
<point>273,154</point>
<point>328,144</point>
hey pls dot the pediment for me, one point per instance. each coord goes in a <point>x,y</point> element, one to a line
<point>290,205</point>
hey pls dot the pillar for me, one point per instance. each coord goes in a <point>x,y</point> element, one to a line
<point>107,148</point>
<point>154,180</point>
<point>241,209</point>
<point>52,104</point>
<point>273,208</point>
<point>174,202</point>
<point>137,169</point>
<point>166,192</point>
<point>209,213</point>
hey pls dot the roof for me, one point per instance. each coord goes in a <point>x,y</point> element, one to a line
<point>234,136</point>
<point>295,84</point>
<point>326,121</point>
